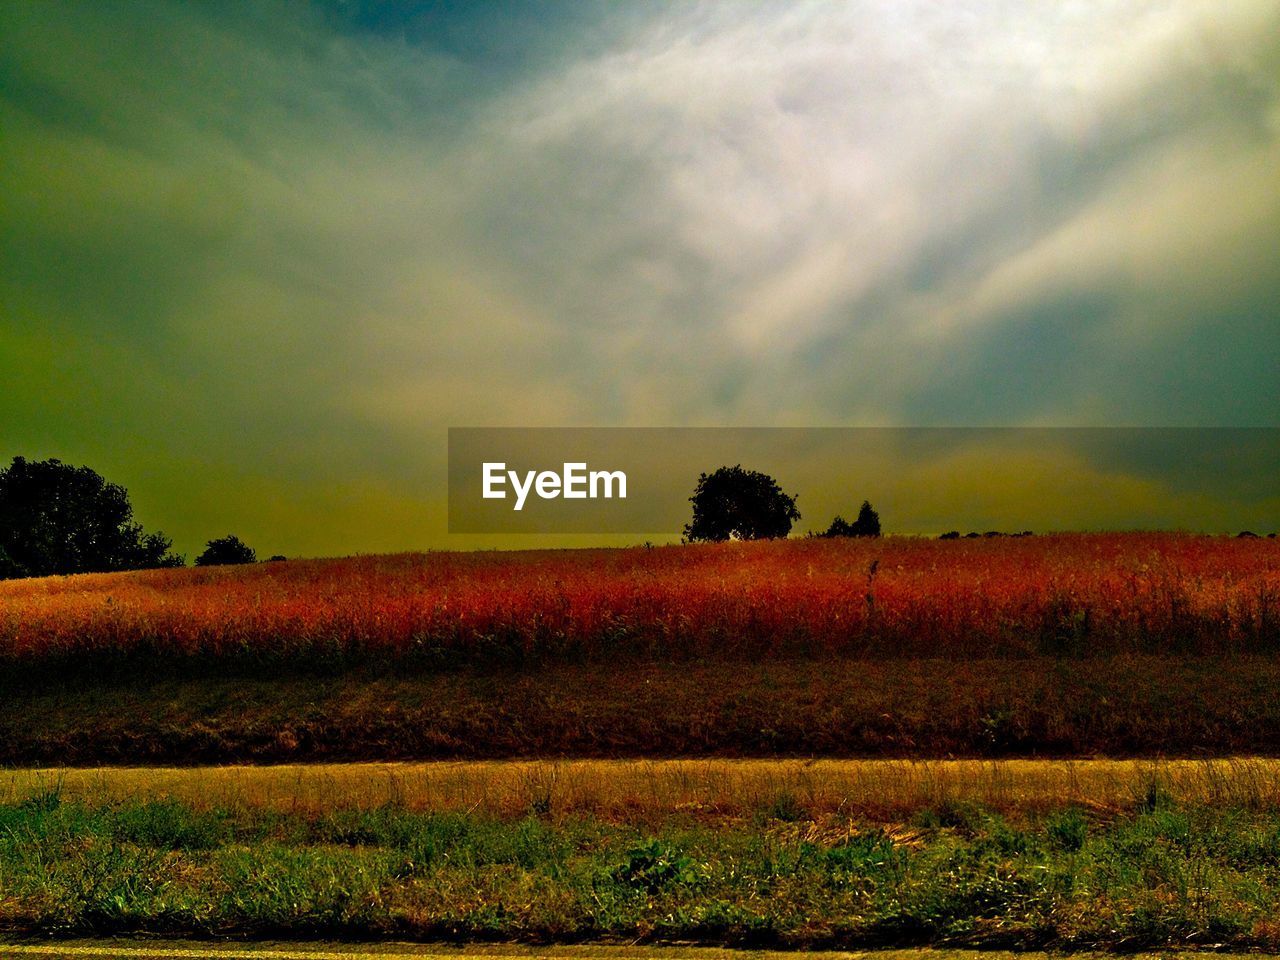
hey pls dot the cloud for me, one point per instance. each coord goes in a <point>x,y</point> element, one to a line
<point>869,184</point>
<point>293,244</point>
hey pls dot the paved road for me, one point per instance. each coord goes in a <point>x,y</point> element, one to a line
<point>187,950</point>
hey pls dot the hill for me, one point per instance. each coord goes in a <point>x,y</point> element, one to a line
<point>1116,644</point>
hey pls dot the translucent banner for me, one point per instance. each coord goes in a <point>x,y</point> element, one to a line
<point>922,480</point>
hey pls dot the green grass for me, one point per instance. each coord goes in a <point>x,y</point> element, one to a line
<point>960,875</point>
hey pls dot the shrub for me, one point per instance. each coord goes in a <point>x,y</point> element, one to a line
<point>226,550</point>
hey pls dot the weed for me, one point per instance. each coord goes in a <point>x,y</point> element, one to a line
<point>653,865</point>
<point>783,805</point>
<point>1068,830</point>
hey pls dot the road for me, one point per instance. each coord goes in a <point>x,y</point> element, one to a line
<point>188,950</point>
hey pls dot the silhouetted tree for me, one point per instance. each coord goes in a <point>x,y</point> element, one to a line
<point>733,503</point>
<point>867,524</point>
<point>226,550</point>
<point>60,519</point>
<point>840,527</point>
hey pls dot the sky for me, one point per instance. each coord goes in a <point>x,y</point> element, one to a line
<point>256,259</point>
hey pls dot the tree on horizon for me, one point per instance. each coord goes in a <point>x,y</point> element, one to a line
<point>58,519</point>
<point>226,550</point>
<point>866,525</point>
<point>736,504</point>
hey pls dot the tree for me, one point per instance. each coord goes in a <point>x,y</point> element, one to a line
<point>60,519</point>
<point>226,550</point>
<point>867,524</point>
<point>733,503</point>
<point>840,527</point>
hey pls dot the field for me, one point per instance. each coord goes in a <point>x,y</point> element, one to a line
<point>1066,595</point>
<point>1072,645</point>
<point>1041,707</point>
<point>1065,741</point>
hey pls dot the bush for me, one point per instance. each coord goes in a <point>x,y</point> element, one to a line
<point>226,550</point>
<point>867,524</point>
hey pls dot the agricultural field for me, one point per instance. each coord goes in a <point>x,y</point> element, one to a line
<point>1030,707</point>
<point>1071,645</point>
<point>1064,741</point>
<point>1084,595</point>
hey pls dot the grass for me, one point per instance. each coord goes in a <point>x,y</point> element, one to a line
<point>1066,595</point>
<point>654,792</point>
<point>1155,874</point>
<point>1129,706</point>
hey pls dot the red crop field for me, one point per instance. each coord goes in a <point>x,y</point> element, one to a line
<point>1074,595</point>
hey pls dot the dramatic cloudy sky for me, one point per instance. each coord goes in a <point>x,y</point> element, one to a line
<point>254,260</point>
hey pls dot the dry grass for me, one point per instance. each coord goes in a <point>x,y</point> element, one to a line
<point>625,790</point>
<point>1039,708</point>
<point>1067,594</point>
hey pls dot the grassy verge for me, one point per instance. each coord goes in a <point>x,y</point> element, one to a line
<point>1132,706</point>
<point>1155,874</point>
<point>653,791</point>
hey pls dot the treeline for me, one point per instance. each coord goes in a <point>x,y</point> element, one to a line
<point>732,503</point>
<point>57,519</point>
